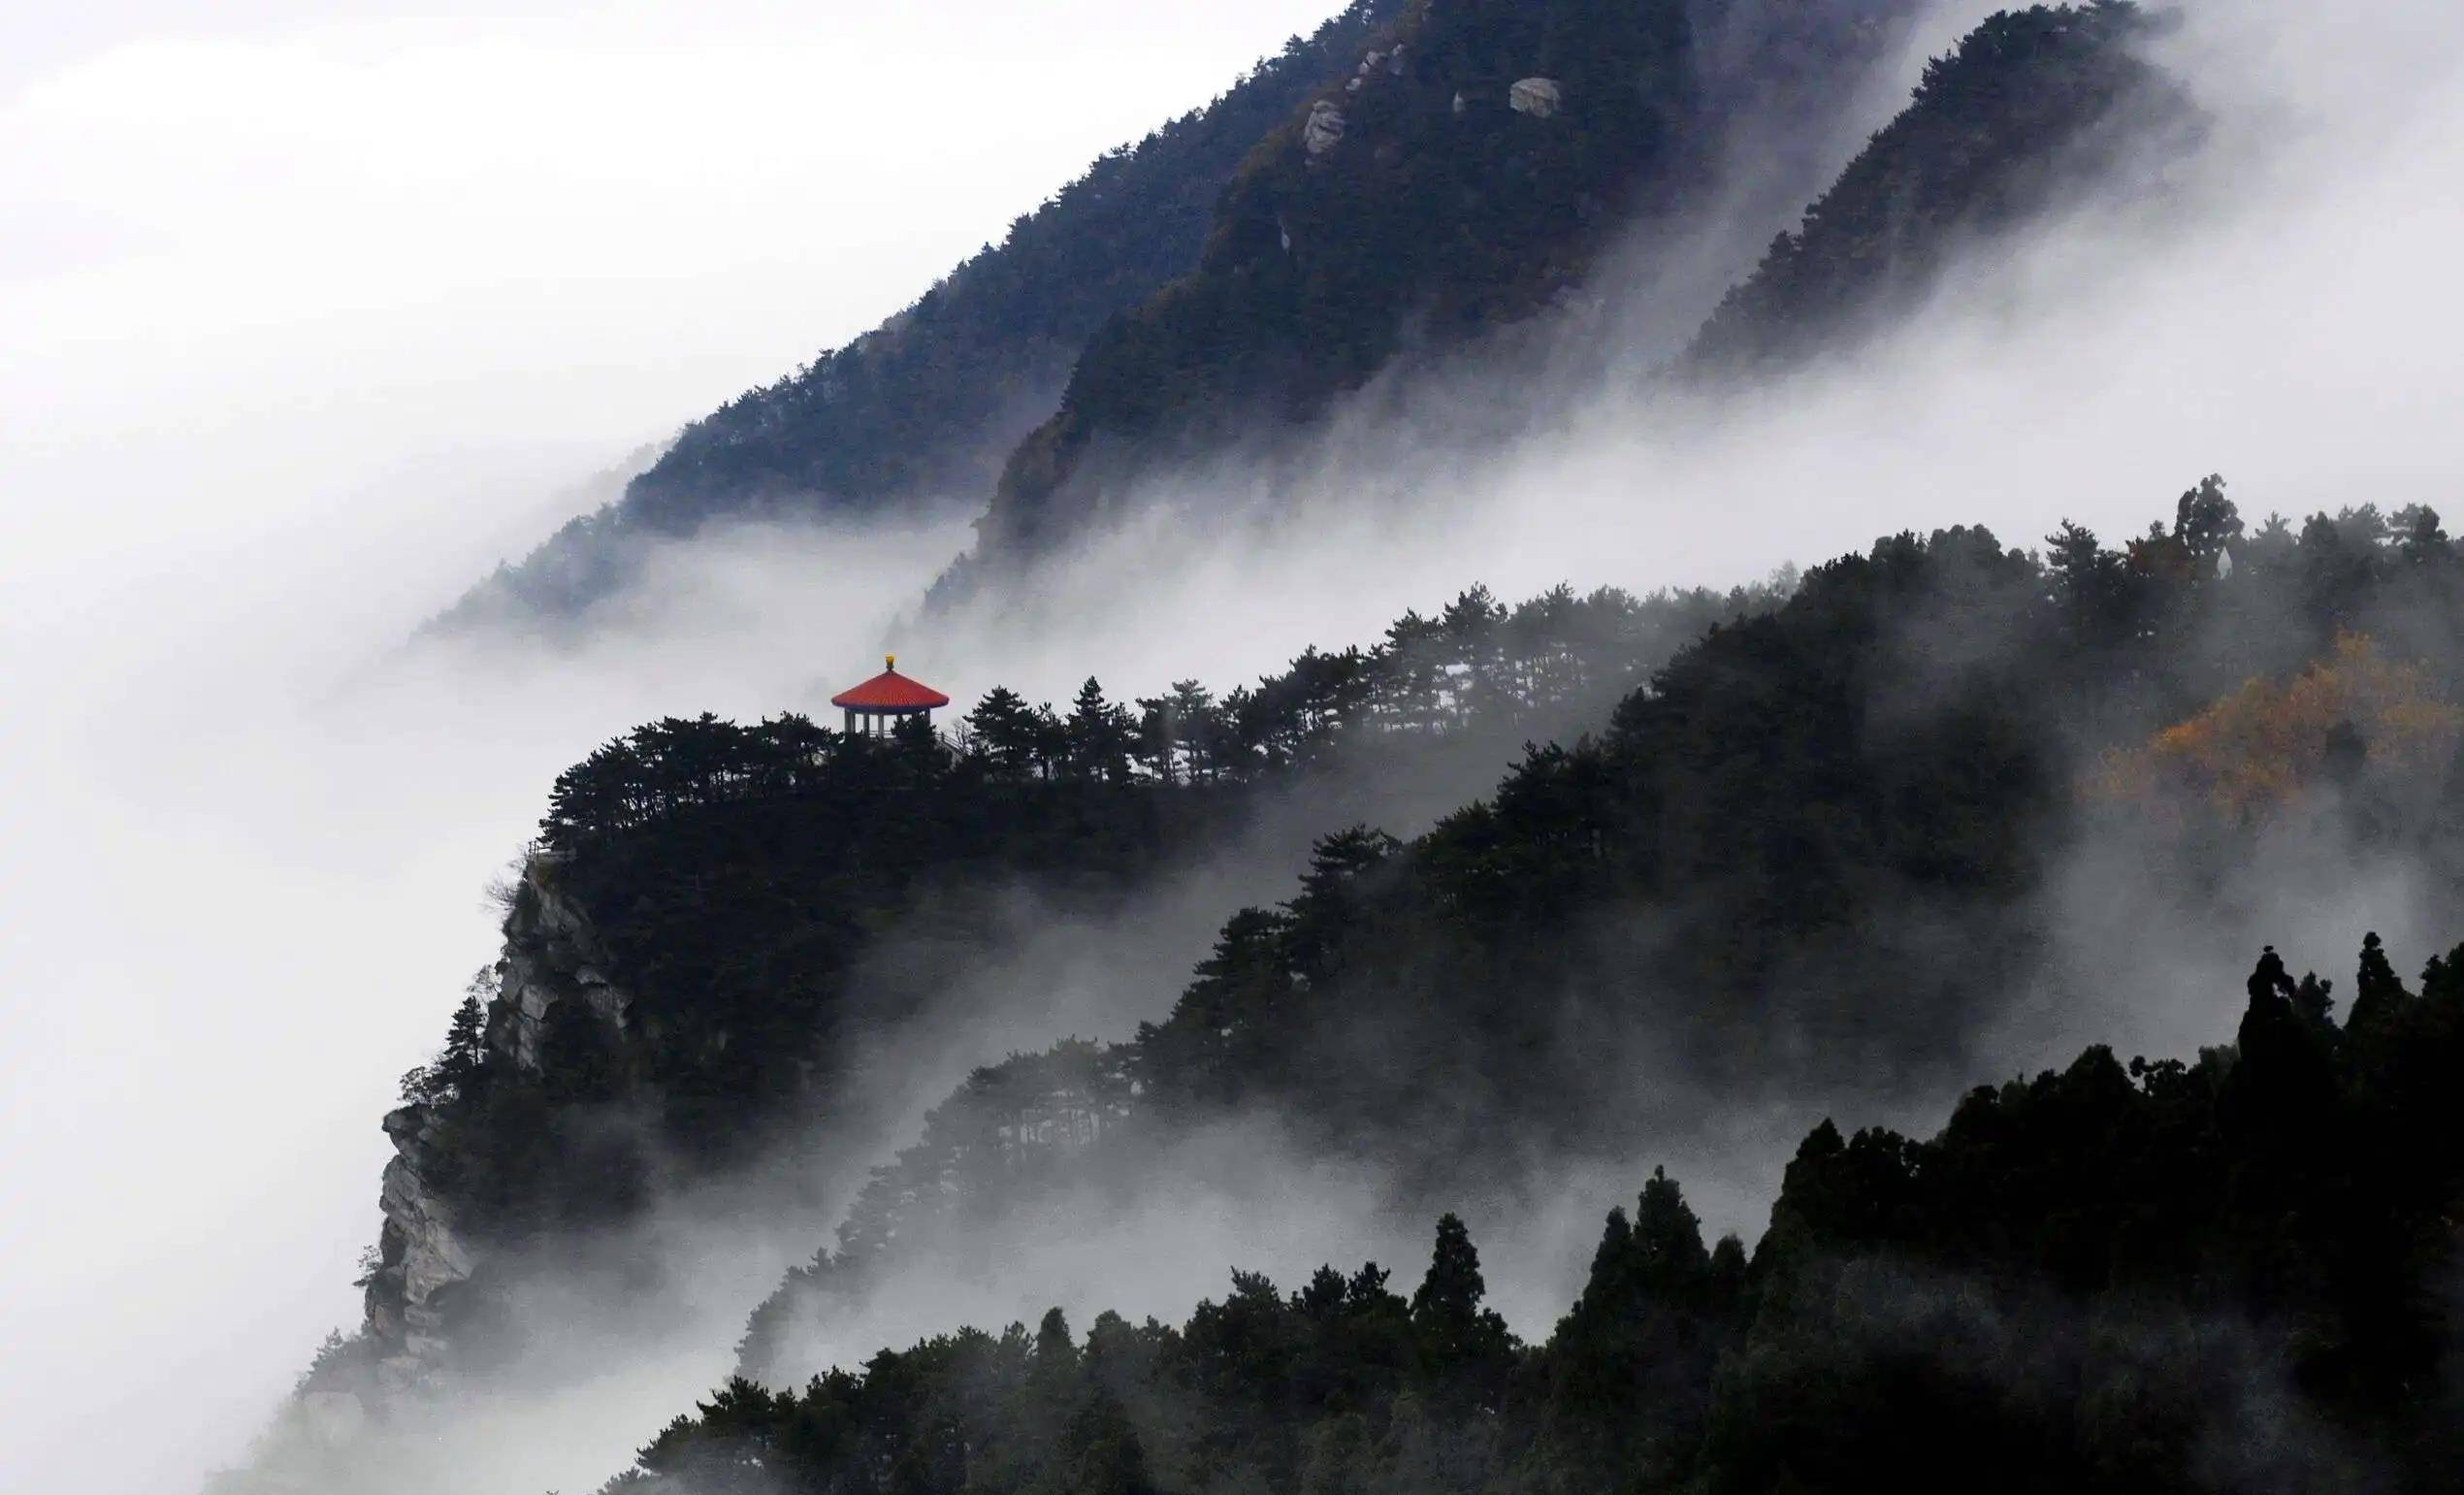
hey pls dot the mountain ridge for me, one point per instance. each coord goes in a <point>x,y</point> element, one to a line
<point>1424,210</point>
<point>1788,899</point>
<point>925,406</point>
<point>1463,181</point>
<point>1735,835</point>
<point>716,919</point>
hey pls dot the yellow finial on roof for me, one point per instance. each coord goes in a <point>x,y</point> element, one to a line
<point>889,661</point>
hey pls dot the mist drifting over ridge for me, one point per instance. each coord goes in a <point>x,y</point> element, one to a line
<point>2055,377</point>
<point>2005,312</point>
<point>2263,333</point>
<point>262,430</point>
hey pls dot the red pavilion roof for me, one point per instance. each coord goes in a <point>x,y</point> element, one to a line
<point>890,691</point>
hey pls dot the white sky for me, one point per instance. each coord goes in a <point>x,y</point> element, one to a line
<point>313,244</point>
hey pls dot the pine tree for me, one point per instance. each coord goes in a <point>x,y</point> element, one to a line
<point>1469,626</point>
<point>1158,748</point>
<point>1326,912</point>
<point>915,748</point>
<point>466,1039</point>
<point>1447,1302</point>
<point>456,1068</point>
<point>2419,537</point>
<point>2315,1008</point>
<point>1051,742</point>
<point>1667,1237</point>
<point>2377,991</point>
<point>1410,673</point>
<point>1464,1348</point>
<point>1005,732</point>
<point>2086,581</point>
<point>1604,1289</point>
<point>2281,1088</point>
<point>1100,736</point>
<point>1054,1349</point>
<point>2204,519</point>
<point>1196,726</point>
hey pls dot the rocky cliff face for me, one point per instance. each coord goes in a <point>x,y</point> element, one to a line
<point>554,964</point>
<point>422,1252</point>
<point>552,957</point>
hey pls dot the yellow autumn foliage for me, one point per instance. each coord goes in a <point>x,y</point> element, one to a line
<point>2259,748</point>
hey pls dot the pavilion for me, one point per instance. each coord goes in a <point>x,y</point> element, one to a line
<point>876,707</point>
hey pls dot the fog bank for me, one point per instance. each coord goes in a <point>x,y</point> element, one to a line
<point>245,862</point>
<point>313,312</point>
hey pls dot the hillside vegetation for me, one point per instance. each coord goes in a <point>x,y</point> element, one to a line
<point>720,923</point>
<point>1424,202</point>
<point>2229,1272</point>
<point>1813,847</point>
<point>2033,106</point>
<point>1808,844</point>
<point>1411,180</point>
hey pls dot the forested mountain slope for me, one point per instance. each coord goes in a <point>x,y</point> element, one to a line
<point>1413,178</point>
<point>1809,845</point>
<point>1812,852</point>
<point>923,408</point>
<point>721,925</point>
<point>1469,175</point>
<point>2232,1273</point>
<point>2033,104</point>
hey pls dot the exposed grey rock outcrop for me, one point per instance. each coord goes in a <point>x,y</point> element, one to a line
<point>1539,97</point>
<point>552,957</point>
<point>420,1254</point>
<point>554,961</point>
<point>1391,61</point>
<point>1325,127</point>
